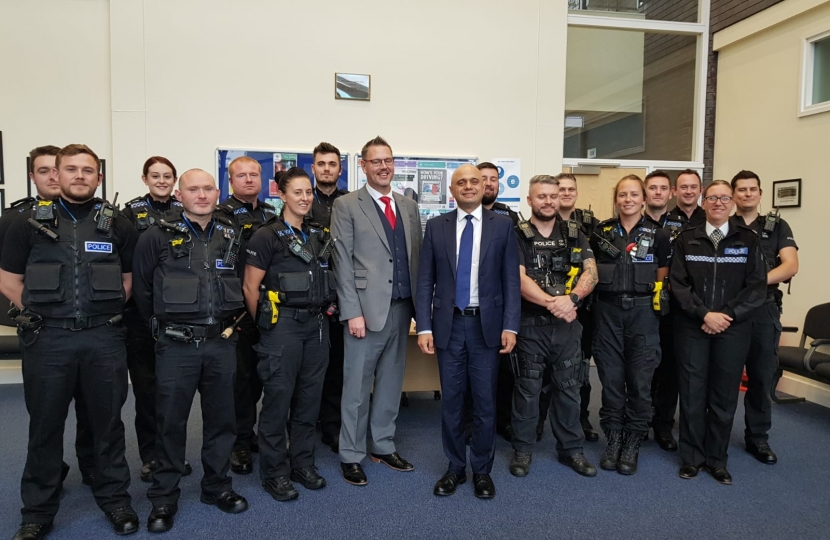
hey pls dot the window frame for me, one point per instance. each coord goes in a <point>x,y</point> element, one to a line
<point>807,59</point>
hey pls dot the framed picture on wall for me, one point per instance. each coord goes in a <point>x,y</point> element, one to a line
<point>2,170</point>
<point>786,193</point>
<point>352,86</point>
<point>2,200</point>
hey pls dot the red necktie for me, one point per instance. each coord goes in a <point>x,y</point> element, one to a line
<point>390,215</point>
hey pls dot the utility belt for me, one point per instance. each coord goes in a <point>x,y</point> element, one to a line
<point>775,296</point>
<point>538,320</point>
<point>625,301</point>
<point>300,314</point>
<point>189,333</point>
<point>271,308</point>
<point>82,323</point>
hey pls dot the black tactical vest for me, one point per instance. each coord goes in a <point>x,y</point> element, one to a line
<point>552,259</point>
<point>141,212</point>
<point>77,276</point>
<point>631,271</point>
<point>303,284</point>
<point>247,221</point>
<point>192,284</point>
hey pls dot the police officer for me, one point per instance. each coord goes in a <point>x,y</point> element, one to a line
<point>68,265</point>
<point>187,282</point>
<point>632,260</point>
<point>687,213</point>
<point>244,209</point>
<point>718,278</point>
<point>504,389</point>
<point>550,256</point>
<point>159,175</point>
<point>781,258</point>
<point>586,221</point>
<point>41,164</point>
<point>327,168</point>
<point>290,260</point>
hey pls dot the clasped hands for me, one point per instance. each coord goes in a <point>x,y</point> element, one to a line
<point>562,307</point>
<point>715,323</point>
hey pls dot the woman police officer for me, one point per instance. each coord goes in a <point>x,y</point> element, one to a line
<point>718,278</point>
<point>632,256</point>
<point>291,262</point>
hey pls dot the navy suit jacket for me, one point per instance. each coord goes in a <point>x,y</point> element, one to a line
<point>499,288</point>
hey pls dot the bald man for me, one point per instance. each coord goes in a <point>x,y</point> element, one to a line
<point>467,310</point>
<point>185,280</point>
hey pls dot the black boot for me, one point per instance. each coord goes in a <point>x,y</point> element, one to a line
<point>612,450</point>
<point>630,453</point>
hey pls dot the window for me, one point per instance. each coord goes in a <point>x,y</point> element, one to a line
<point>815,80</point>
<point>656,10</point>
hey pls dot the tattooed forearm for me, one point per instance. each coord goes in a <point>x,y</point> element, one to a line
<point>588,279</point>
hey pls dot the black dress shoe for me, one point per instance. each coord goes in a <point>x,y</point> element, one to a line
<point>281,489</point>
<point>591,434</point>
<point>484,487</point>
<point>393,461</point>
<point>124,520</point>
<point>332,441</point>
<point>147,471</point>
<point>33,531</point>
<point>721,475</point>
<point>666,441</point>
<point>580,464</point>
<point>229,502</point>
<point>447,484</point>
<point>241,462</point>
<point>161,518</point>
<point>762,452</point>
<point>188,469</point>
<point>520,463</point>
<point>688,471</point>
<point>308,477</point>
<point>353,474</point>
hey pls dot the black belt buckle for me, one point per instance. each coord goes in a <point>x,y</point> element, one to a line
<point>467,312</point>
<point>179,332</point>
<point>627,302</point>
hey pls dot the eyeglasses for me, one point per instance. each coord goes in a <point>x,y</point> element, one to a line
<point>378,162</point>
<point>726,199</point>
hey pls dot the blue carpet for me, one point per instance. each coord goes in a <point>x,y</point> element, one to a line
<point>788,500</point>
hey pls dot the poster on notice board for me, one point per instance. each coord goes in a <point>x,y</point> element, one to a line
<point>510,174</point>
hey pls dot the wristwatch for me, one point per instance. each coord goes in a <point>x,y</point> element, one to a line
<point>575,299</point>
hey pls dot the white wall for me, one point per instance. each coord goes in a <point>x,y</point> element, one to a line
<point>758,128</point>
<point>449,77</point>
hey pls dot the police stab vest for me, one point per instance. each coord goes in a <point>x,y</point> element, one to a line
<point>303,284</point>
<point>77,276</point>
<point>193,284</point>
<point>248,222</point>
<point>634,268</point>
<point>144,214</point>
<point>553,260</point>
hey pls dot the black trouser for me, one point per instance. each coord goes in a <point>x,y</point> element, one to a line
<point>626,351</point>
<point>60,361</point>
<point>549,353</point>
<point>504,393</point>
<point>709,371</point>
<point>761,365</point>
<point>293,358</point>
<point>586,319</point>
<point>141,361</point>
<point>181,369</point>
<point>248,387</point>
<point>333,383</point>
<point>664,383</point>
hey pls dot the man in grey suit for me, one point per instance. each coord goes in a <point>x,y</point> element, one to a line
<point>376,264</point>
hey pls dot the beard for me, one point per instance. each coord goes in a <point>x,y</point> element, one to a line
<point>540,216</point>
<point>487,200</point>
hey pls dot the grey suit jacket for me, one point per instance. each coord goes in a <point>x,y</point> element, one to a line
<point>363,258</point>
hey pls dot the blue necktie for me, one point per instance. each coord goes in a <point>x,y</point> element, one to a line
<point>465,266</point>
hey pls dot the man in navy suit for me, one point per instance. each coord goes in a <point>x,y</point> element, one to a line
<point>468,304</point>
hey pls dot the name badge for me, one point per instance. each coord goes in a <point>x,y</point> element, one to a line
<point>736,251</point>
<point>99,247</point>
<point>649,258</point>
<point>221,266</point>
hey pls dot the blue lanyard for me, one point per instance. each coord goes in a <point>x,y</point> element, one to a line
<point>290,228</point>
<point>210,232</point>
<point>67,210</point>
<point>622,231</point>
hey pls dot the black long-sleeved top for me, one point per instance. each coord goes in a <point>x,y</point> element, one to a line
<point>731,279</point>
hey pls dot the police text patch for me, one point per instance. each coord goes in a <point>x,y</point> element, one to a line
<point>736,251</point>
<point>100,247</point>
<point>222,266</point>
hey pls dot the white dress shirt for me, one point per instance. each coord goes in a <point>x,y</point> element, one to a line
<point>376,195</point>
<point>460,225</point>
<point>724,229</point>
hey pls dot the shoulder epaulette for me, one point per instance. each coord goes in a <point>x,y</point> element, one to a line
<point>21,202</point>
<point>138,201</point>
<point>224,221</point>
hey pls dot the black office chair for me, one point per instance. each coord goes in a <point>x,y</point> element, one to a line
<point>801,360</point>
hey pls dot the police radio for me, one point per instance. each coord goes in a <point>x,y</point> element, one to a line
<point>644,242</point>
<point>231,249</point>
<point>298,249</point>
<point>325,253</point>
<point>607,247</point>
<point>771,220</point>
<point>106,215</point>
<point>588,216</point>
<point>573,229</point>
<point>524,226</point>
